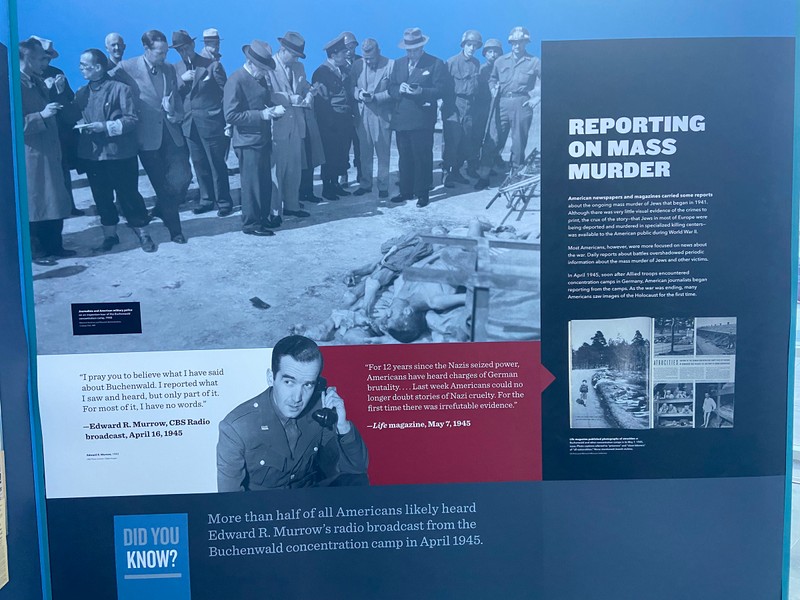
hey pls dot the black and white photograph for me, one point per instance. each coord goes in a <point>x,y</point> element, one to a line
<point>714,405</point>
<point>610,370</point>
<point>350,187</point>
<point>674,405</point>
<point>294,434</point>
<point>715,335</point>
<point>673,336</point>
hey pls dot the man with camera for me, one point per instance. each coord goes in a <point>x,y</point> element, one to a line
<point>294,434</point>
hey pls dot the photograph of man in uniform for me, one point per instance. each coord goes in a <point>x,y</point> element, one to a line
<point>294,434</point>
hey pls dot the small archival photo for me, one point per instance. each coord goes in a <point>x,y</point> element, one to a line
<point>609,385</point>
<point>714,405</point>
<point>715,335</point>
<point>674,405</point>
<point>673,336</point>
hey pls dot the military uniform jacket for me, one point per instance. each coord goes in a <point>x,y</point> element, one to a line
<point>253,453</point>
<point>483,94</point>
<point>243,100</point>
<point>202,98</point>
<point>417,112</point>
<point>333,105</point>
<point>516,78</point>
<point>463,89</point>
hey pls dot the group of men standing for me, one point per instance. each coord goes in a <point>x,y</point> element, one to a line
<point>281,126</point>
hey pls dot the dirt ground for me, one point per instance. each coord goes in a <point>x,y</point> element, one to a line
<point>197,296</point>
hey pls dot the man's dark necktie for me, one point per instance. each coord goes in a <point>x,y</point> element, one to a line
<point>292,434</point>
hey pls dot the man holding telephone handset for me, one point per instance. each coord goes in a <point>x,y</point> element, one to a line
<point>294,434</point>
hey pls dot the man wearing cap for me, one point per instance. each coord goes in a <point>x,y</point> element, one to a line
<point>211,42</point>
<point>250,109</point>
<point>417,82</point>
<point>334,111</point>
<point>115,49</point>
<point>492,50</point>
<point>351,43</point>
<point>370,79</point>
<point>61,92</point>
<point>200,84</point>
<point>459,110</point>
<point>290,89</point>
<point>162,149</point>
<point>514,81</point>
<point>107,146</point>
<point>48,201</point>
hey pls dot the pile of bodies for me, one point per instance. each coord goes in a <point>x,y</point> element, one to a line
<point>384,305</point>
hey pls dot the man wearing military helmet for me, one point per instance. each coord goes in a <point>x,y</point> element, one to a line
<point>514,82</point>
<point>459,110</point>
<point>492,50</point>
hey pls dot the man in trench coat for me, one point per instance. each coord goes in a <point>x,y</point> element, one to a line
<point>48,201</point>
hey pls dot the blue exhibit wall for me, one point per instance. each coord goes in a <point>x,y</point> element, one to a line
<point>24,556</point>
<point>639,538</point>
<point>795,282</point>
<point>75,26</point>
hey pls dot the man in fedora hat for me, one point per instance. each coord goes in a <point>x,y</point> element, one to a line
<point>61,92</point>
<point>514,82</point>
<point>162,148</point>
<point>200,84</point>
<point>459,110</point>
<point>334,111</point>
<point>492,50</point>
<point>417,82</point>
<point>250,109</point>
<point>370,78</point>
<point>290,89</point>
<point>211,42</point>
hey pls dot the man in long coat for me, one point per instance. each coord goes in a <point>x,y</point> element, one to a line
<point>61,92</point>
<point>48,201</point>
<point>334,110</point>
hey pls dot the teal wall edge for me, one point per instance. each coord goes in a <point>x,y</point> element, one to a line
<point>27,302</point>
<point>787,507</point>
